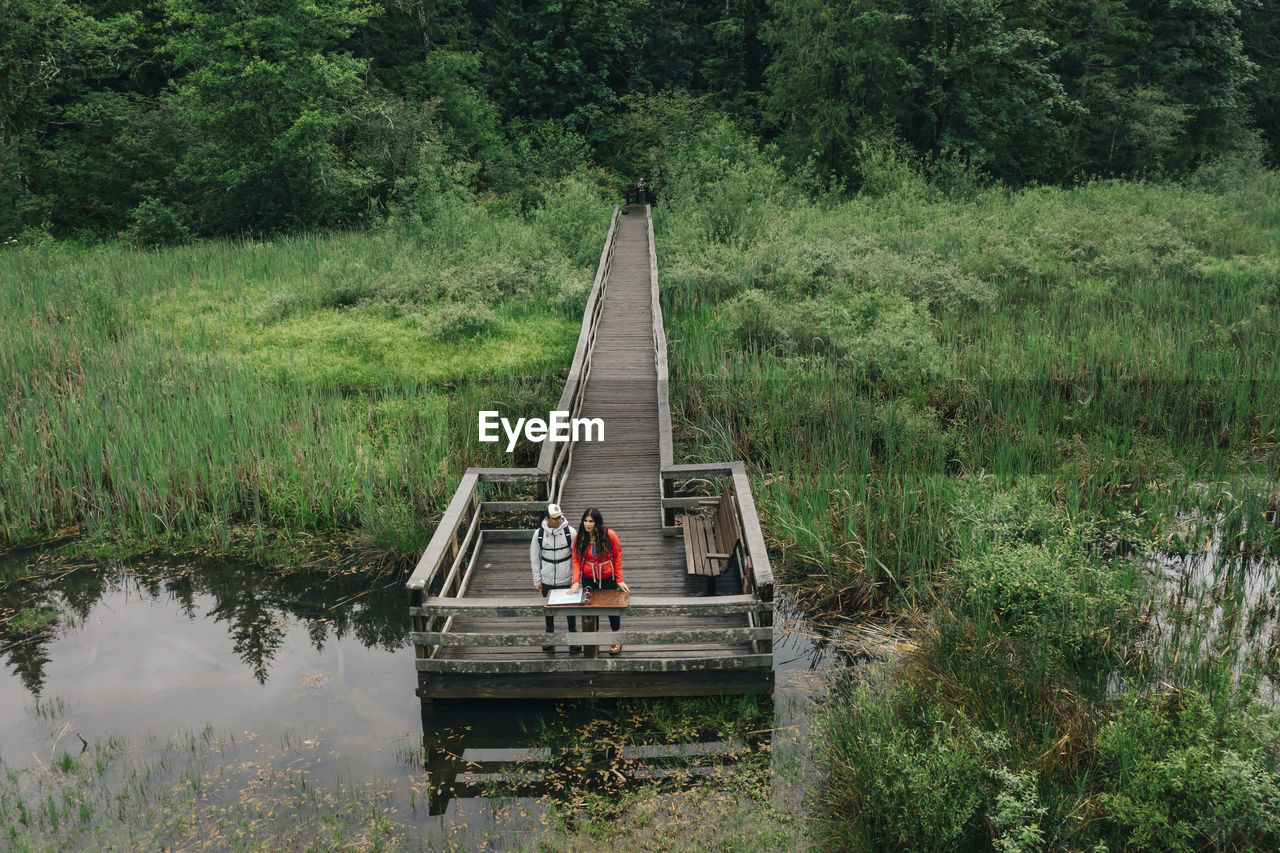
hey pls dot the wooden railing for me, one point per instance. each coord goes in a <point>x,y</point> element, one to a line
<point>757,570</point>
<point>525,607</point>
<point>557,457</point>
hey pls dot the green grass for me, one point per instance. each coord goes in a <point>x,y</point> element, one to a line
<point>249,396</point>
<point>361,349</point>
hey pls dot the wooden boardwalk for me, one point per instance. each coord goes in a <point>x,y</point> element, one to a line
<point>479,634</point>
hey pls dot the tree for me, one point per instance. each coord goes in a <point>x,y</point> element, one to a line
<point>269,111</point>
<point>1260,30</point>
<point>840,73</point>
<point>951,77</point>
<point>987,92</point>
<point>57,68</point>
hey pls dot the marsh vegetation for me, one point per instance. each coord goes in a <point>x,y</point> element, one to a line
<point>1039,427</point>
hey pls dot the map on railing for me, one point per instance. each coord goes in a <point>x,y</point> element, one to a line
<point>561,597</point>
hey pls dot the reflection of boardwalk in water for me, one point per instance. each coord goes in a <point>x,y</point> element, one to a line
<point>535,750</point>
<point>478,622</point>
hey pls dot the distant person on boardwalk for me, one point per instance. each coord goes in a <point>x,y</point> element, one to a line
<point>552,562</point>
<point>642,192</point>
<point>597,562</point>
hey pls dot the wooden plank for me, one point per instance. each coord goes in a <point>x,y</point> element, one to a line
<point>510,475</point>
<point>508,534</point>
<point>691,470</point>
<point>594,685</point>
<point>580,638</point>
<point>518,653</point>
<point>727,517</point>
<point>462,552</point>
<point>620,663</point>
<point>441,539</point>
<point>512,507</point>
<point>761,571</point>
<point>690,544</point>
<point>665,441</point>
<point>640,605</point>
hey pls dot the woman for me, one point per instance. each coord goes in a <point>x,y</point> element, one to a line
<point>597,562</point>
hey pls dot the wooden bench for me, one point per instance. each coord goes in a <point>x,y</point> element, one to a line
<point>712,543</point>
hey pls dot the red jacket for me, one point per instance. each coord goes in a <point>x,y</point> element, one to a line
<point>598,567</point>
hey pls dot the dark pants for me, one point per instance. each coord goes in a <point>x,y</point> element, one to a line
<point>615,622</point>
<point>551,620</point>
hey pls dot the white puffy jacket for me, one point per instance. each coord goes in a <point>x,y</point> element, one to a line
<point>551,555</point>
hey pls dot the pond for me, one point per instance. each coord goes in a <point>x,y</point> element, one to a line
<point>1211,616</point>
<point>226,676</point>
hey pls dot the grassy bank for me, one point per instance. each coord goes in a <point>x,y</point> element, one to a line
<point>258,397</point>
<point>1009,419</point>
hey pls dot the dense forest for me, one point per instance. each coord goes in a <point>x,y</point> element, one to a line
<point>168,118</point>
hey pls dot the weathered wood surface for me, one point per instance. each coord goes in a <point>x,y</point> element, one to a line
<point>555,685</point>
<point>579,638</point>
<point>594,308</point>
<point>440,541</point>
<point>605,664</point>
<point>531,604</point>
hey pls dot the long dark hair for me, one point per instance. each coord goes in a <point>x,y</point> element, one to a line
<point>598,537</point>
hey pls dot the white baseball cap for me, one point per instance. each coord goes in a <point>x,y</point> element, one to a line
<point>553,511</point>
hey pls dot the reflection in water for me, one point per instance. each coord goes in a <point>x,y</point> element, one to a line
<point>573,751</point>
<point>1211,617</point>
<point>315,673</point>
<point>566,752</point>
<point>256,607</point>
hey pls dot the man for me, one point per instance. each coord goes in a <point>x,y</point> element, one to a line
<point>551,557</point>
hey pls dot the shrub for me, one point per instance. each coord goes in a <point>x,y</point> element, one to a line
<point>942,287</point>
<point>881,337</point>
<point>487,280</point>
<point>1060,602</point>
<point>884,170</point>
<point>345,293</point>
<point>900,774</point>
<point>1182,775</point>
<point>570,296</point>
<point>756,320</point>
<point>464,321</point>
<point>1015,820</point>
<point>154,223</point>
<point>570,218</point>
<point>895,343</point>
<point>709,278</point>
<point>280,306</point>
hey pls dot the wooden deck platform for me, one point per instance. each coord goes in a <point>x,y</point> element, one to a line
<point>478,623</point>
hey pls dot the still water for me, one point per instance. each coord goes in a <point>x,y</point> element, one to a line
<point>304,671</point>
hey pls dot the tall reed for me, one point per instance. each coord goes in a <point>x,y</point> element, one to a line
<point>313,385</point>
